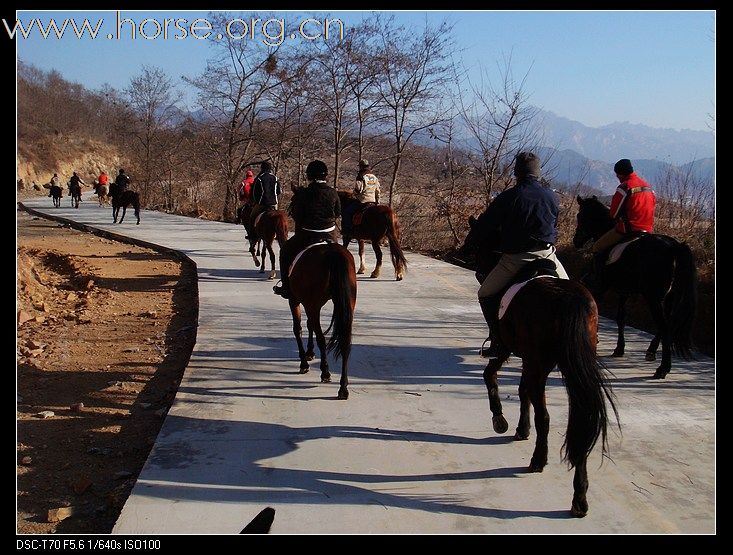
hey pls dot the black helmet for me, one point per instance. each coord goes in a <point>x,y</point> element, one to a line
<point>266,166</point>
<point>316,170</point>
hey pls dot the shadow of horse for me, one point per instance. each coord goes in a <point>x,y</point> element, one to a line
<point>549,323</point>
<point>659,268</point>
<point>378,222</point>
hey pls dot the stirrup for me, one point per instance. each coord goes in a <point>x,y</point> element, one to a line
<point>484,352</point>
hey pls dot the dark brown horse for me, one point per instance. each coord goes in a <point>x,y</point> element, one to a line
<point>75,194</point>
<point>56,192</point>
<point>268,226</point>
<point>377,222</point>
<point>550,323</point>
<point>123,199</point>
<point>657,267</point>
<point>324,272</point>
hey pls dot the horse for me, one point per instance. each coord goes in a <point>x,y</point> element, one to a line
<point>377,222</point>
<point>269,225</point>
<point>550,322</point>
<point>243,217</point>
<point>75,193</point>
<point>123,199</point>
<point>659,268</point>
<point>101,192</point>
<point>56,192</point>
<point>324,272</point>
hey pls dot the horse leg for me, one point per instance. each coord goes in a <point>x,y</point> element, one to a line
<point>124,211</point>
<point>579,507</point>
<point>314,325</point>
<point>651,352</point>
<point>498,420</point>
<point>620,324</point>
<point>252,244</point>
<point>273,273</point>
<point>115,211</point>
<point>310,354</point>
<point>264,258</point>
<point>297,329</point>
<point>378,252</point>
<point>536,387</point>
<point>362,261</point>
<point>524,407</point>
<point>657,310</point>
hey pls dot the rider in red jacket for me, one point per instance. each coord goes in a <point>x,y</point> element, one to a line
<point>632,208</point>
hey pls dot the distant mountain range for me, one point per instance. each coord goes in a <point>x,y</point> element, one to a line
<point>614,141</point>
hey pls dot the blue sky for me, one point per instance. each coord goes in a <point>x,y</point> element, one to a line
<point>651,67</point>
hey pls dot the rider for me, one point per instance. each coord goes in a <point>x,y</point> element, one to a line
<point>55,180</point>
<point>122,181</point>
<point>265,192</point>
<point>74,182</point>
<point>103,178</point>
<point>526,218</point>
<point>315,210</point>
<point>632,208</point>
<point>366,191</point>
<point>244,192</point>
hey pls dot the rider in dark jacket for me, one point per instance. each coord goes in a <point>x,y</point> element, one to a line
<point>265,192</point>
<point>315,210</point>
<point>526,218</point>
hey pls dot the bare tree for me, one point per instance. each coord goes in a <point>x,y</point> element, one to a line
<point>152,97</point>
<point>414,76</point>
<point>498,121</point>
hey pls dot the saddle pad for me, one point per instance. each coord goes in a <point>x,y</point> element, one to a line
<point>513,290</point>
<point>618,250</point>
<point>295,261</point>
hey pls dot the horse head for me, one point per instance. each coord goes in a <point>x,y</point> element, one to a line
<point>481,243</point>
<point>594,219</point>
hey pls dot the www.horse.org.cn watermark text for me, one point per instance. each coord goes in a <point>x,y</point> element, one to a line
<point>271,32</point>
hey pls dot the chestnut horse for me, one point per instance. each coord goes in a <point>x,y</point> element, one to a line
<point>324,272</point>
<point>549,323</point>
<point>377,222</point>
<point>270,225</point>
<point>101,192</point>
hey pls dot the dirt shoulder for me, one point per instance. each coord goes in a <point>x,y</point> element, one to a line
<point>108,326</point>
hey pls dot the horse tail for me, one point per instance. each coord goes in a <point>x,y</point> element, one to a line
<point>281,229</point>
<point>395,251</point>
<point>683,298</point>
<point>340,288</point>
<point>585,380</point>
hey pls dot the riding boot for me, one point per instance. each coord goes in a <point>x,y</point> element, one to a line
<point>284,289</point>
<point>490,309</point>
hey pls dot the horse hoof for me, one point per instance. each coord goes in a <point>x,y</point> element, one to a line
<point>660,375</point>
<point>310,356</point>
<point>617,353</point>
<point>535,467</point>
<point>398,278</point>
<point>327,379</point>
<point>521,436</point>
<point>304,369</point>
<point>343,394</point>
<point>361,271</point>
<point>579,510</point>
<point>374,275</point>
<point>649,357</point>
<point>500,424</point>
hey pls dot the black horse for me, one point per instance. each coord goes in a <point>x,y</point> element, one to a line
<point>75,193</point>
<point>660,269</point>
<point>56,192</point>
<point>550,322</point>
<point>123,199</point>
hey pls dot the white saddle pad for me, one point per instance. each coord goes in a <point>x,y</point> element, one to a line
<point>618,250</point>
<point>513,290</point>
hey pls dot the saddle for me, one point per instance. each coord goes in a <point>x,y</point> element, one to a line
<point>535,269</point>
<point>617,250</point>
<point>359,214</point>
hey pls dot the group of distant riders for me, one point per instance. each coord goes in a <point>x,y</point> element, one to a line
<point>101,186</point>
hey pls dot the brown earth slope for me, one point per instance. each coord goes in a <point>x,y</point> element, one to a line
<point>105,331</point>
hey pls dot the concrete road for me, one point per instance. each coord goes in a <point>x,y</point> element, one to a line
<point>412,450</point>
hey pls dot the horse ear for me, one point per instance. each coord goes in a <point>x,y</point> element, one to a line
<point>595,197</point>
<point>471,221</point>
<point>579,199</point>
